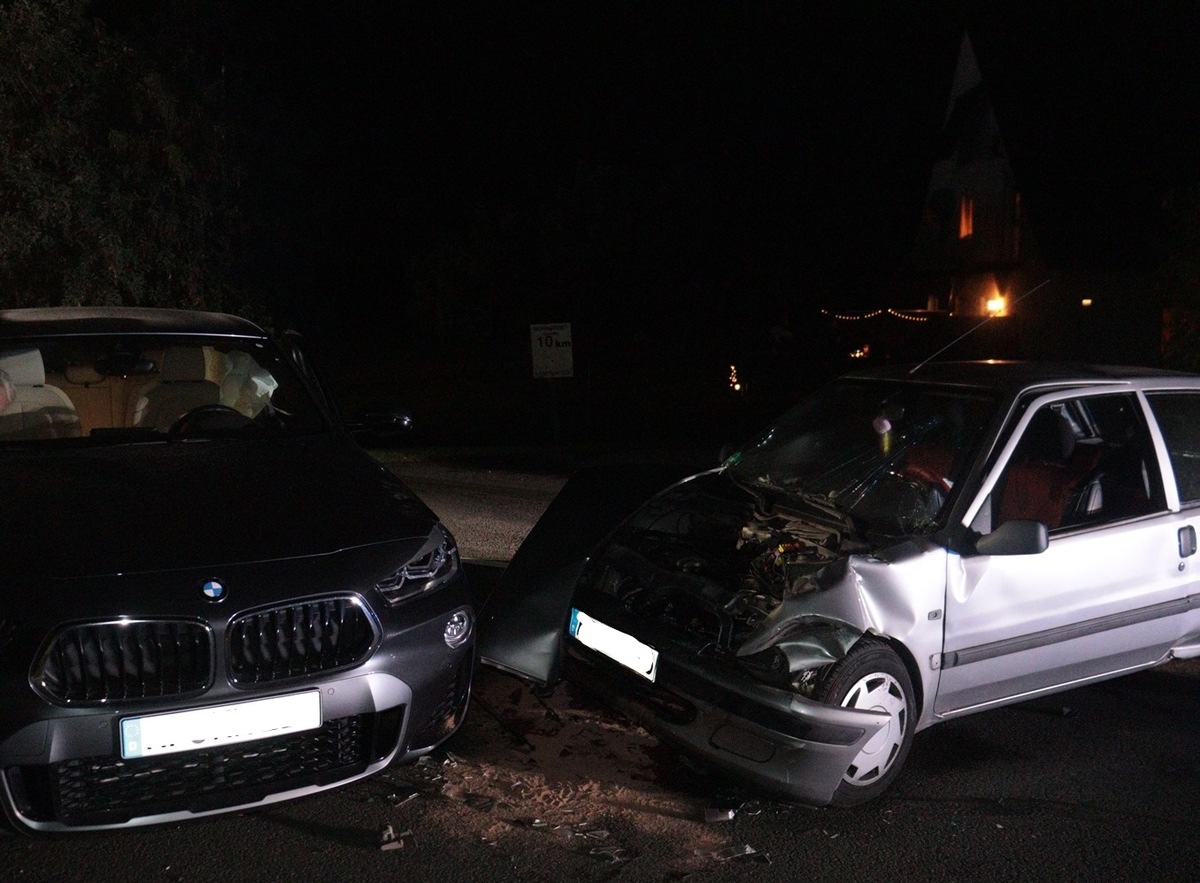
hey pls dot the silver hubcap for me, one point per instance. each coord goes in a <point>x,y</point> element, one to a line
<point>877,692</point>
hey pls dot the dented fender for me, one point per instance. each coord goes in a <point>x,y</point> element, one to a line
<point>897,593</point>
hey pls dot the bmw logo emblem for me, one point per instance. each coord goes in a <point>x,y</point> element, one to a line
<point>214,590</point>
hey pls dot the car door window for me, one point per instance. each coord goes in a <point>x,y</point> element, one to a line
<point>1178,416</point>
<point>1082,461</point>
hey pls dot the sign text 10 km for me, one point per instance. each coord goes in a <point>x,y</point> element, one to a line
<point>551,346</point>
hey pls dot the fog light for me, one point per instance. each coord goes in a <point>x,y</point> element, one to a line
<point>458,629</point>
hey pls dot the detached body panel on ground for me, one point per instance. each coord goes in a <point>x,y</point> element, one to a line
<point>210,597</point>
<point>900,549</point>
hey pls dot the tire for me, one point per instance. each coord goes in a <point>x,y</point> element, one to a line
<point>872,676</point>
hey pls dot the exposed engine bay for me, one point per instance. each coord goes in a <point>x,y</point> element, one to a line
<point>727,571</point>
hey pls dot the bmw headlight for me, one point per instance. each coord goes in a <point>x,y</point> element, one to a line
<point>434,565</point>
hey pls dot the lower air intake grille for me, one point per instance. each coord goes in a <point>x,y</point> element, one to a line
<point>107,791</point>
<point>297,640</point>
<point>448,714</point>
<point>90,664</point>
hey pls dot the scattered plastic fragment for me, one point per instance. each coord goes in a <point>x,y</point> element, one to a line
<point>399,799</point>
<point>481,802</point>
<point>745,852</point>
<point>612,854</point>
<point>751,808</point>
<point>389,839</point>
<point>712,815</point>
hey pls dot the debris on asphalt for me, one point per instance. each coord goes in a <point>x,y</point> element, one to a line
<point>389,839</point>
<point>713,816</point>
<point>480,802</point>
<point>744,853</point>
<point>613,854</point>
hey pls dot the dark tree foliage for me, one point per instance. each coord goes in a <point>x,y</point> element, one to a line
<point>1178,280</point>
<point>116,185</point>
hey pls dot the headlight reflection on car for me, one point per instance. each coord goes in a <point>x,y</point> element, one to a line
<point>435,565</point>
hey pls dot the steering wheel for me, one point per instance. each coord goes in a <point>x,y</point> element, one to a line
<point>209,418</point>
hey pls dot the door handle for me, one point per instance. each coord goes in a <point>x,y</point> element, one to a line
<point>1187,541</point>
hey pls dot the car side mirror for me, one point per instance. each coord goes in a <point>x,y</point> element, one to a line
<point>1016,537</point>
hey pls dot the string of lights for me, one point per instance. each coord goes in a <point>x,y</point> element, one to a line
<point>898,314</point>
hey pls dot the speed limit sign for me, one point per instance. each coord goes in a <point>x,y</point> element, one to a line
<point>551,346</point>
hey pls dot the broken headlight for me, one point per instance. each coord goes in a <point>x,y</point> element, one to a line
<point>434,565</point>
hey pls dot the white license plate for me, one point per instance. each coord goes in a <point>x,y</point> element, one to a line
<point>614,644</point>
<point>156,734</point>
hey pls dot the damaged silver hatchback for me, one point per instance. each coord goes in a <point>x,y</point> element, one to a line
<point>901,549</point>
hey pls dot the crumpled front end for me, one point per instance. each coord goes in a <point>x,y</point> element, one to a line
<point>743,601</point>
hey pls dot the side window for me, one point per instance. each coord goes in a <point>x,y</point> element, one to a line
<point>1178,416</point>
<point>1081,462</point>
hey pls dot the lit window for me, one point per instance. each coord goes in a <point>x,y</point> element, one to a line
<point>966,216</point>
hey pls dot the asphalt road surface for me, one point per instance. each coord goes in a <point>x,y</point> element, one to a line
<point>1101,783</point>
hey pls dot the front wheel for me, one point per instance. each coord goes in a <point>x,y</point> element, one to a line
<point>872,677</point>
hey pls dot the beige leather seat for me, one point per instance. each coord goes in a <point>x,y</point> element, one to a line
<point>37,410</point>
<point>181,386</point>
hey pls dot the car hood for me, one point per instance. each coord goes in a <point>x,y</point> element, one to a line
<point>176,505</point>
<point>708,560</point>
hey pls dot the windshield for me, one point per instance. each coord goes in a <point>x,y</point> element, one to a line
<point>888,453</point>
<point>115,389</point>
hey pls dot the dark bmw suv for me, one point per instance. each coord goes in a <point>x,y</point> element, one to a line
<point>212,598</point>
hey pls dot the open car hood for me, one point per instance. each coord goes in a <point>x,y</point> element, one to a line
<point>704,548</point>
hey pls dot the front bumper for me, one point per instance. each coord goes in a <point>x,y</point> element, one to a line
<point>763,736</point>
<point>62,769</point>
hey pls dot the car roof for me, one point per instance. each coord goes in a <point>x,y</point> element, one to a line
<point>1013,375</point>
<point>57,321</point>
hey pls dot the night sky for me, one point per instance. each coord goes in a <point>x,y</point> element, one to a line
<point>702,158</point>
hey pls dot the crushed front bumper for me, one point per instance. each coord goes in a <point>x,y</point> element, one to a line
<point>762,736</point>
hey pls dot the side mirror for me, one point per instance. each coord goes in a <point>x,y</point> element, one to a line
<point>1017,537</point>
